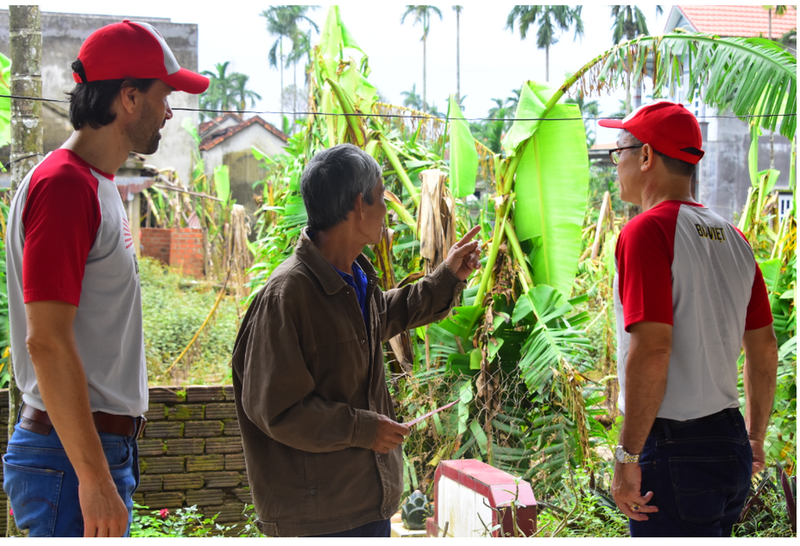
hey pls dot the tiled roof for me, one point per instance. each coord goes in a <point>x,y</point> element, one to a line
<point>215,138</point>
<point>744,21</point>
<point>207,125</point>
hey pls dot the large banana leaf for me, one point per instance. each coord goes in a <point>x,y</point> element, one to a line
<point>552,181</point>
<point>750,76</point>
<point>333,41</point>
<point>5,102</point>
<point>222,182</point>
<point>463,155</point>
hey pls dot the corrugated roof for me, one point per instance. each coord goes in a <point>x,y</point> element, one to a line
<point>744,21</point>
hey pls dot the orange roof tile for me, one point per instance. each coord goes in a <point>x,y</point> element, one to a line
<point>215,138</point>
<point>744,21</point>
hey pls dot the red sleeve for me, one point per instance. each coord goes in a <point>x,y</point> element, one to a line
<point>759,313</point>
<point>60,221</point>
<point>644,265</point>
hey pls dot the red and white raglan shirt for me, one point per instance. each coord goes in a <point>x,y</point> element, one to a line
<point>69,240</point>
<point>682,264</point>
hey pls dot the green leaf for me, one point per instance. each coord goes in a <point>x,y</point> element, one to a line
<point>261,156</point>
<point>480,436</point>
<point>189,127</point>
<point>222,182</point>
<point>475,358</point>
<point>463,155</point>
<point>551,186</point>
<point>5,102</point>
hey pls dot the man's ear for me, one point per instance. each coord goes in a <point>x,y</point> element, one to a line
<point>129,98</point>
<point>358,206</point>
<point>646,158</point>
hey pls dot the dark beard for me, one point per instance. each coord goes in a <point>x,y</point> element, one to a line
<point>150,147</point>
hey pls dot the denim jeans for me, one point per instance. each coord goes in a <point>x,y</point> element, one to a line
<point>699,472</point>
<point>43,487</point>
<point>376,529</point>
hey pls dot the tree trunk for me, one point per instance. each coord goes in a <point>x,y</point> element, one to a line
<point>424,73</point>
<point>458,57</point>
<point>25,45</point>
<point>547,64</point>
<point>281,65</point>
<point>294,99</point>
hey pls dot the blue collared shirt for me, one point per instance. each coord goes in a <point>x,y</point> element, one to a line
<point>359,283</point>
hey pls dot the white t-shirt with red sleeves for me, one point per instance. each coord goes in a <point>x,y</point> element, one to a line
<point>69,240</point>
<point>682,264</point>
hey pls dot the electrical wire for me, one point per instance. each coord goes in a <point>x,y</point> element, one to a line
<point>404,116</point>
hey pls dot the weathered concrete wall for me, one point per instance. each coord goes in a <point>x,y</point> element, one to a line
<point>62,36</point>
<point>724,173</point>
<point>190,454</point>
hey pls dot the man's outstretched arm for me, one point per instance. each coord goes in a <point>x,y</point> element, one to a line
<point>62,383</point>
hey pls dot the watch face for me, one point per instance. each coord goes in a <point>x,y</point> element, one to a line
<point>619,454</point>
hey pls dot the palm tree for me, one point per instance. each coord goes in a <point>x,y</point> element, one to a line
<point>422,15</point>
<point>301,49</point>
<point>221,89</point>
<point>412,99</point>
<point>283,22</point>
<point>548,17</point>
<point>458,10</point>
<point>629,22</point>
<point>241,94</point>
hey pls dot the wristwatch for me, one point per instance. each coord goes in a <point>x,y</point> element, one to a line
<point>623,456</point>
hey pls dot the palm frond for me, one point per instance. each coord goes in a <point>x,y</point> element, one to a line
<point>751,76</point>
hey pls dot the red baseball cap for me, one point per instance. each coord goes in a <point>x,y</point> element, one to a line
<point>666,126</point>
<point>134,50</point>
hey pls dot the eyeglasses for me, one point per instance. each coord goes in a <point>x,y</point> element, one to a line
<point>614,154</point>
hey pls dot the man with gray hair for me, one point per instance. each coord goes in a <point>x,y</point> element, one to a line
<point>321,440</point>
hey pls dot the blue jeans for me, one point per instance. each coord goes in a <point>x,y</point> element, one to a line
<point>43,487</point>
<point>382,528</point>
<point>699,472</point>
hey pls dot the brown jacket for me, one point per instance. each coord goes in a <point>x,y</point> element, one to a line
<point>309,383</point>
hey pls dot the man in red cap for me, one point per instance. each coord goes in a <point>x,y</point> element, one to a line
<point>74,300</point>
<point>688,295</point>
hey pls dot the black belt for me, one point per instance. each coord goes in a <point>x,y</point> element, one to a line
<point>38,421</point>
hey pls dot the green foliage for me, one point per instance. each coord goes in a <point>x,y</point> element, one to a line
<point>582,507</point>
<point>5,102</point>
<point>766,511</point>
<point>5,341</point>
<point>173,309</point>
<point>226,91</point>
<point>187,522</point>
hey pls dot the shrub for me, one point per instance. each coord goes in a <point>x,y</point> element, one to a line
<point>174,307</point>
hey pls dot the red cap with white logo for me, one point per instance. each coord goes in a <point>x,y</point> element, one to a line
<point>134,50</point>
<point>666,126</point>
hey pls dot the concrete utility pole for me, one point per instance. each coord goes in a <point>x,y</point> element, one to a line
<point>27,138</point>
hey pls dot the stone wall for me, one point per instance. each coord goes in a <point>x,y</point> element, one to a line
<point>190,453</point>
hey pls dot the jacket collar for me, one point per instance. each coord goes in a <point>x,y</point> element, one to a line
<point>308,253</point>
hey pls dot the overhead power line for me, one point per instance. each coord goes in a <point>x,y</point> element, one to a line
<point>404,116</point>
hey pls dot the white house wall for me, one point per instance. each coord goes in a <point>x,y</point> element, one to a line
<point>254,135</point>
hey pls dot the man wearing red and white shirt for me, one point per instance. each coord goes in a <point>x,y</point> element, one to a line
<point>688,296</point>
<point>71,466</point>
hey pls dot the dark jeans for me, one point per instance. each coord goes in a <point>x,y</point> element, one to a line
<point>381,528</point>
<point>699,472</point>
<point>43,487</point>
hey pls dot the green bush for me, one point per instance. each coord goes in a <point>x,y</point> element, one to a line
<point>174,307</point>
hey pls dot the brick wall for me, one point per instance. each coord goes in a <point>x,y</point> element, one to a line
<point>190,454</point>
<point>179,247</point>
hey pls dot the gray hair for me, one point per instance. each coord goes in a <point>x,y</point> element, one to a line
<point>332,180</point>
